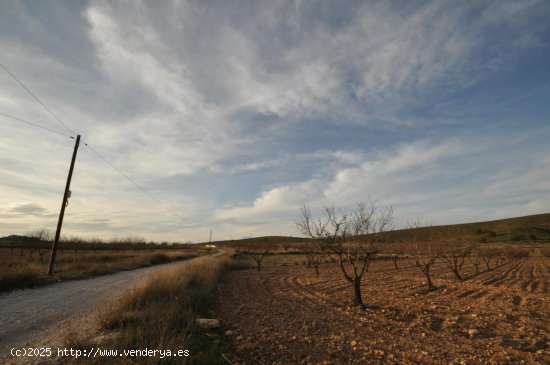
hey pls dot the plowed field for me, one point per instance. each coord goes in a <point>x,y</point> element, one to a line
<point>286,315</point>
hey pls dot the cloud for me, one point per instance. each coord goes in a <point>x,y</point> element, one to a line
<point>442,181</point>
<point>233,114</point>
<point>29,208</point>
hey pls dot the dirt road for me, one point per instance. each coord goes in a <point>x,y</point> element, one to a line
<point>24,314</point>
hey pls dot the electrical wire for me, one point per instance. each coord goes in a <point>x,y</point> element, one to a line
<point>73,133</point>
<point>131,180</point>
<point>35,125</point>
<point>37,99</point>
<point>120,172</point>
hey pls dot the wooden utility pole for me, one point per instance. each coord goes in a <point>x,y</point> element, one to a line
<point>210,236</point>
<point>63,205</point>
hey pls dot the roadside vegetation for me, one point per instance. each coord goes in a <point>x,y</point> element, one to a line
<point>24,262</point>
<point>161,313</point>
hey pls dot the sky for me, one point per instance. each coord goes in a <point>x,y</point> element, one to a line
<point>230,115</point>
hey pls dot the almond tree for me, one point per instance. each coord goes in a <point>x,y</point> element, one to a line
<point>487,255</point>
<point>426,256</point>
<point>257,250</point>
<point>314,256</point>
<point>395,258</point>
<point>476,262</point>
<point>42,236</point>
<point>352,237</point>
<point>454,258</point>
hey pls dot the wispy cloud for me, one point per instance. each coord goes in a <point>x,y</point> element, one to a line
<point>29,208</point>
<point>234,114</point>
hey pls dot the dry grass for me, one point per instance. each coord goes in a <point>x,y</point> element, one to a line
<point>23,269</point>
<point>159,313</point>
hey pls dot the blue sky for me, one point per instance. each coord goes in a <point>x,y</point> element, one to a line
<point>233,114</point>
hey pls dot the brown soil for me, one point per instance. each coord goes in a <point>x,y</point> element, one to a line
<point>285,315</point>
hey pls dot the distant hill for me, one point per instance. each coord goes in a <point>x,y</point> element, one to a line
<point>532,228</point>
<point>276,240</point>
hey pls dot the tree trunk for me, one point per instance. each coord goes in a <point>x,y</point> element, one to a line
<point>358,300</point>
<point>258,263</point>
<point>428,278</point>
<point>457,274</point>
<point>317,271</point>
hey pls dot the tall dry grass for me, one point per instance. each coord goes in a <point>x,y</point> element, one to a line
<point>158,313</point>
<point>30,270</point>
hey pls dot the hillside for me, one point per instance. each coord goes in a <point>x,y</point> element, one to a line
<point>532,228</point>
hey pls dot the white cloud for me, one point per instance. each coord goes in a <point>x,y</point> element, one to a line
<point>444,182</point>
<point>298,102</point>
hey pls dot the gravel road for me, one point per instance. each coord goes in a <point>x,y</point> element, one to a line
<point>26,313</point>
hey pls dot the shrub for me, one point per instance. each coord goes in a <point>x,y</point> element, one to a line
<point>159,258</point>
<point>20,279</point>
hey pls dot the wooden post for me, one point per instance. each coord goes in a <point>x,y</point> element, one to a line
<point>63,205</point>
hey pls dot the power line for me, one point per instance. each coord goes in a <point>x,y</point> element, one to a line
<point>72,132</point>
<point>36,98</point>
<point>120,172</point>
<point>34,124</point>
<point>130,180</point>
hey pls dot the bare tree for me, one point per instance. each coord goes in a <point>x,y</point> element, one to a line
<point>394,255</point>
<point>454,258</point>
<point>314,256</point>
<point>395,258</point>
<point>257,250</point>
<point>426,256</point>
<point>515,253</point>
<point>487,255</point>
<point>41,235</point>
<point>352,237</point>
<point>476,261</point>
<point>504,257</point>
<point>41,252</point>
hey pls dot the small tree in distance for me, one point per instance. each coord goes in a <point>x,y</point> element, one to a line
<point>257,250</point>
<point>353,237</point>
<point>314,256</point>
<point>395,258</point>
<point>426,255</point>
<point>454,258</point>
<point>487,255</point>
<point>41,235</point>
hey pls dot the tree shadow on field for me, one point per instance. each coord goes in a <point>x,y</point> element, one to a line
<point>427,290</point>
